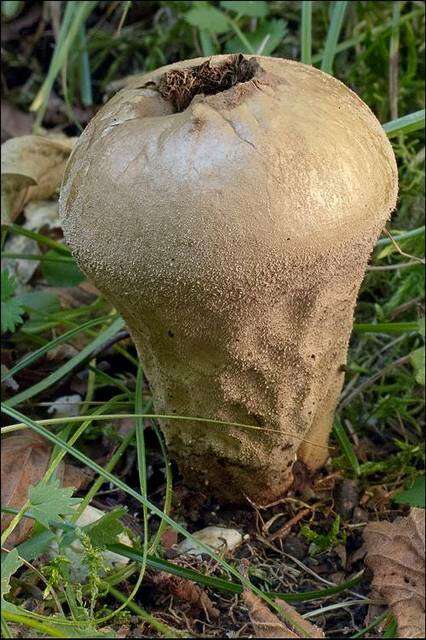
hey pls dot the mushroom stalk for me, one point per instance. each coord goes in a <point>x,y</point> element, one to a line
<point>228,207</point>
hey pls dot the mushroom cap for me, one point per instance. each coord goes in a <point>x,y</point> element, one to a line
<point>232,234</point>
<point>291,155</point>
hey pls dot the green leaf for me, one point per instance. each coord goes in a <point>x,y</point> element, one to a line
<point>414,496</point>
<point>421,325</point>
<point>51,501</point>
<point>39,305</point>
<point>61,271</point>
<point>322,541</point>
<point>11,8</point>
<point>39,302</point>
<point>391,630</point>
<point>208,18</point>
<point>10,563</point>
<point>105,530</point>
<point>252,8</point>
<point>269,34</point>
<point>11,308</point>
<point>8,285</point>
<point>417,358</point>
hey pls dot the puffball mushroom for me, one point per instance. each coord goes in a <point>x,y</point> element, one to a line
<point>228,207</point>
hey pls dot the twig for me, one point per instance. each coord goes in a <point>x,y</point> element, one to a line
<point>398,248</point>
<point>283,531</point>
<point>401,265</point>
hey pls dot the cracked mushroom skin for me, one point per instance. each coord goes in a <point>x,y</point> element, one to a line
<point>228,207</point>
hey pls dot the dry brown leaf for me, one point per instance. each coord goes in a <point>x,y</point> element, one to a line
<point>24,461</point>
<point>192,593</point>
<point>395,554</point>
<point>187,591</point>
<point>267,624</point>
<point>32,168</point>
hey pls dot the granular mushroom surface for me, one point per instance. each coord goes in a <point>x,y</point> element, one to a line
<point>228,207</point>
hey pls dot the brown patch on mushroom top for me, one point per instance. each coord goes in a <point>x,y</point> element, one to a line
<point>180,86</point>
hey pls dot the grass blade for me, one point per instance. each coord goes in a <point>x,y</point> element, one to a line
<point>380,30</point>
<point>117,482</point>
<point>333,34</point>
<point>29,550</point>
<point>40,239</point>
<point>405,124</point>
<point>386,327</point>
<point>401,236</point>
<point>76,14</point>
<point>306,33</point>
<point>346,445</point>
<point>35,355</point>
<point>394,60</point>
<point>225,585</point>
<point>84,354</point>
<point>85,78</point>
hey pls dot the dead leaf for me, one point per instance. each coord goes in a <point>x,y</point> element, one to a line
<point>395,554</point>
<point>14,122</point>
<point>192,593</point>
<point>24,461</point>
<point>32,168</point>
<point>268,625</point>
<point>187,591</point>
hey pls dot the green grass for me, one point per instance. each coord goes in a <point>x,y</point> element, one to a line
<point>374,48</point>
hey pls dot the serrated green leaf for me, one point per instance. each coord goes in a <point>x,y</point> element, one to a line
<point>11,315</point>
<point>267,37</point>
<point>8,285</point>
<point>252,8</point>
<point>38,305</point>
<point>414,496</point>
<point>39,302</point>
<point>61,271</point>
<point>207,18</point>
<point>51,501</point>
<point>418,361</point>
<point>10,563</point>
<point>11,308</point>
<point>105,530</point>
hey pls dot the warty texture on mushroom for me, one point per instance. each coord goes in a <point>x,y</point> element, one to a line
<point>228,207</point>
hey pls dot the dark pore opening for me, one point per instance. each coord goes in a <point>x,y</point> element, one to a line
<point>179,86</point>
